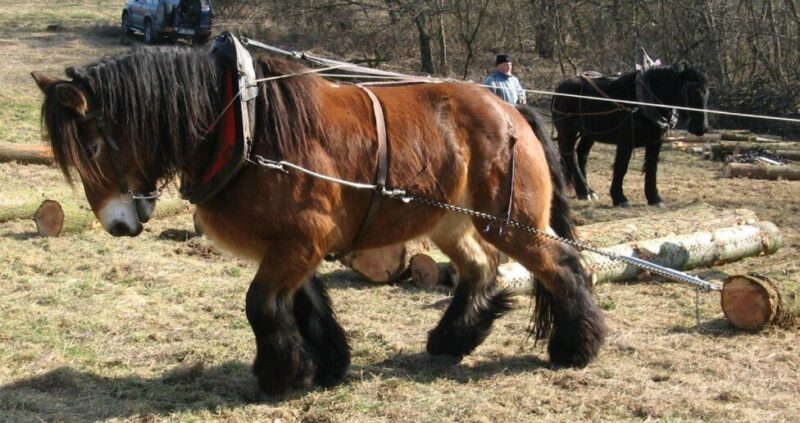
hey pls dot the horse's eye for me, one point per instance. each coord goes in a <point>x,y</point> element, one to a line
<point>93,148</point>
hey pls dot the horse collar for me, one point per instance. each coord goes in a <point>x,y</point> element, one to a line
<point>235,125</point>
<point>645,95</point>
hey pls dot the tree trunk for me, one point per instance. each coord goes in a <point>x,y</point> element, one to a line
<point>425,51</point>
<point>758,171</point>
<point>26,153</point>
<point>696,217</point>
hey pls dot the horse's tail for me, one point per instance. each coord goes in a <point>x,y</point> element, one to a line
<point>560,212</point>
<point>544,315</point>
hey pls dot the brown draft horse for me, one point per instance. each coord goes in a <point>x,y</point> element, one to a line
<point>450,142</point>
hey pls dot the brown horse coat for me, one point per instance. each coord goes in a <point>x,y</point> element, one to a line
<point>450,142</point>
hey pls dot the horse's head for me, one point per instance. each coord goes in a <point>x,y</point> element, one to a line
<point>693,93</point>
<point>85,139</point>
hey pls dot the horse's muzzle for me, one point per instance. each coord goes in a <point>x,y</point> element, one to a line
<point>145,209</point>
<point>123,229</point>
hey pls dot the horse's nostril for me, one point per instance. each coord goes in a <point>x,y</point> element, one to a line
<point>119,229</point>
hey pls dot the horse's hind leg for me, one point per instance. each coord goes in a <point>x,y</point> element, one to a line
<point>476,302</point>
<point>565,309</point>
<point>298,341</point>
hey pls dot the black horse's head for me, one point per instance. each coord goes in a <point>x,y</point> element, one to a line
<point>693,93</point>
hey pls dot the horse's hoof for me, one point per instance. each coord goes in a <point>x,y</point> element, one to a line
<point>659,205</point>
<point>624,205</point>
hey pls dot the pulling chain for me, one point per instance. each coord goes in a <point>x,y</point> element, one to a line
<point>402,195</point>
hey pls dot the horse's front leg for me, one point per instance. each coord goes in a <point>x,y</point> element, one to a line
<point>650,170</point>
<point>621,161</point>
<point>298,341</point>
<point>584,147</point>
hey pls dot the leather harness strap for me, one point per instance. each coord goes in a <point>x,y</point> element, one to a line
<point>380,176</point>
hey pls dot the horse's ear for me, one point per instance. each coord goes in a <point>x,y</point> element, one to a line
<point>71,97</point>
<point>44,81</point>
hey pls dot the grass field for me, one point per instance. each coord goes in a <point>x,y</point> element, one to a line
<point>152,329</point>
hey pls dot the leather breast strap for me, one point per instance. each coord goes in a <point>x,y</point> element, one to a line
<point>380,176</point>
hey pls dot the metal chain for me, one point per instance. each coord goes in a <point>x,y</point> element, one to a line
<point>402,195</point>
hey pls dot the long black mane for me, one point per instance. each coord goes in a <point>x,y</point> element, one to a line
<point>164,101</point>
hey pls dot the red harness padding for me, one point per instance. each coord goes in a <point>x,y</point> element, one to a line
<point>226,133</point>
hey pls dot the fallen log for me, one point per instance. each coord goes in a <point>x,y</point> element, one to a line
<point>760,171</point>
<point>78,218</point>
<point>25,153</point>
<point>737,136</point>
<point>685,252</point>
<point>719,151</point>
<point>379,265</point>
<point>696,217</point>
<point>751,302</point>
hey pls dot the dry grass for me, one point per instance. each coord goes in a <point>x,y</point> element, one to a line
<point>150,329</point>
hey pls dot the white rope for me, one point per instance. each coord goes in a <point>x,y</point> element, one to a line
<point>410,78</point>
<point>380,74</point>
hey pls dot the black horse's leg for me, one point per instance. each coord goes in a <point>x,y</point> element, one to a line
<point>324,338</point>
<point>621,161</point>
<point>652,151</point>
<point>584,147</point>
<point>567,141</point>
<point>476,302</point>
<point>284,360</point>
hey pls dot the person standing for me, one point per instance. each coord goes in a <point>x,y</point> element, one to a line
<point>503,83</point>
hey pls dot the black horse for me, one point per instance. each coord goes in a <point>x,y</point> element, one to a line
<point>627,126</point>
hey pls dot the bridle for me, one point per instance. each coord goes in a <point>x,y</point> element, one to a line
<point>128,195</point>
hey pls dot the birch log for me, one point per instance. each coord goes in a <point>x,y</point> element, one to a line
<point>759,171</point>
<point>25,153</point>
<point>685,252</point>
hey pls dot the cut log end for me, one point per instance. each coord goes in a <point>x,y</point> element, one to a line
<point>49,218</point>
<point>379,265</point>
<point>749,303</point>
<point>424,271</point>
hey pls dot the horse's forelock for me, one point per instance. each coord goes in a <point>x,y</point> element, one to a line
<point>161,101</point>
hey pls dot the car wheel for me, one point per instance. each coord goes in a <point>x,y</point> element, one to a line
<point>149,37</point>
<point>126,24</point>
